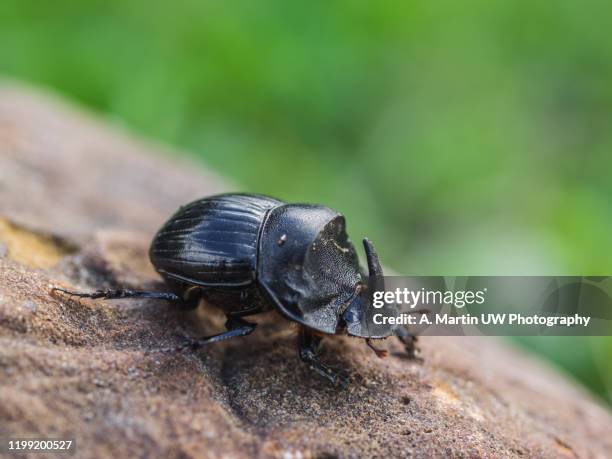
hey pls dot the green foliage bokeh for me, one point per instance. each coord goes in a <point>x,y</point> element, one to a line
<point>462,137</point>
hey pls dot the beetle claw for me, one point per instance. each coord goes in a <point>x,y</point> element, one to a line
<point>410,346</point>
<point>411,352</point>
<point>340,381</point>
<point>338,378</point>
<point>380,353</point>
<point>409,341</point>
<point>186,343</point>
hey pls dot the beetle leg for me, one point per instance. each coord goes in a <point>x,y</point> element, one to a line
<point>409,340</point>
<point>309,345</point>
<point>380,353</point>
<point>190,302</point>
<point>245,313</point>
<point>122,293</point>
<point>235,327</point>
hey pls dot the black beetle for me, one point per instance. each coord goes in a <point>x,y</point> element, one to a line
<point>248,253</point>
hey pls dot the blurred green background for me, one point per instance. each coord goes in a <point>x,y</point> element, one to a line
<point>462,137</point>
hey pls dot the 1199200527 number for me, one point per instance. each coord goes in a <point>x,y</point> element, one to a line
<point>39,445</point>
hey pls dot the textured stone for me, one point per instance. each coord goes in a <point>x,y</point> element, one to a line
<point>79,202</point>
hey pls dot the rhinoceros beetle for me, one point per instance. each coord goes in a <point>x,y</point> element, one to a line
<point>248,253</point>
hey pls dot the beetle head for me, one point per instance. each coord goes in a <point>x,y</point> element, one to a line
<point>358,316</point>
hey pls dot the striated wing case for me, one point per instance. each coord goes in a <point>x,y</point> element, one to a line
<point>212,241</point>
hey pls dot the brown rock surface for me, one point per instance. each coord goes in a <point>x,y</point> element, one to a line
<point>78,204</point>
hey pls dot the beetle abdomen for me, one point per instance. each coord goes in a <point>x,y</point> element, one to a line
<point>212,241</point>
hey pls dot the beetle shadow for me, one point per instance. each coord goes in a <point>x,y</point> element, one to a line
<point>267,384</point>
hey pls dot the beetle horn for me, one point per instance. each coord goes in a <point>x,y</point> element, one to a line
<point>374,268</point>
